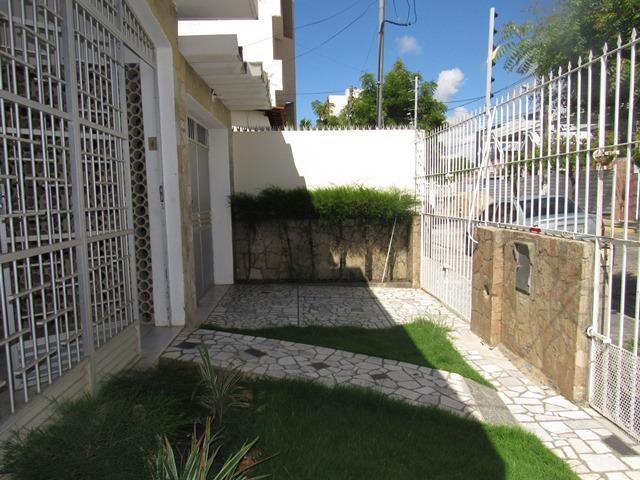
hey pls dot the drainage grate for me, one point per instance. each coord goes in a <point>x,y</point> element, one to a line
<point>380,376</point>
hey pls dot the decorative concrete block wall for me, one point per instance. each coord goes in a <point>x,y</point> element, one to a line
<point>544,326</point>
<point>304,250</point>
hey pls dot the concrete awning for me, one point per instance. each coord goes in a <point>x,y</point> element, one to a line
<point>218,60</point>
<point>217,9</point>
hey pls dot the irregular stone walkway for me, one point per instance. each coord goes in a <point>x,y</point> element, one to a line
<point>595,448</point>
<point>280,359</point>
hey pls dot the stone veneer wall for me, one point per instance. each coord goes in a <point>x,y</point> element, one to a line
<point>311,250</point>
<point>546,327</point>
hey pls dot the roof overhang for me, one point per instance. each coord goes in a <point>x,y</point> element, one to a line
<point>218,60</point>
<point>217,9</point>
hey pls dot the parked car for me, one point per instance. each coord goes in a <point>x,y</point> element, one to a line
<point>552,214</point>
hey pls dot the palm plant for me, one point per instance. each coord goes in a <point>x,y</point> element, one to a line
<point>221,389</point>
<point>199,464</point>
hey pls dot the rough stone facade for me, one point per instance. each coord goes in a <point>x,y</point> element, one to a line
<point>545,327</point>
<point>312,250</point>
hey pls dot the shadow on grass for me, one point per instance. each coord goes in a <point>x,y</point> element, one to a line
<point>346,433</point>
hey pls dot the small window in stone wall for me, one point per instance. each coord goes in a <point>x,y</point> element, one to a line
<point>523,267</point>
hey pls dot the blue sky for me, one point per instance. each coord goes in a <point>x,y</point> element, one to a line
<point>449,40</point>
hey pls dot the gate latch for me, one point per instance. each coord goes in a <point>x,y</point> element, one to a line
<point>591,333</point>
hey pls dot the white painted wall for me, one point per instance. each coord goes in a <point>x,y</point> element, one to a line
<point>318,158</point>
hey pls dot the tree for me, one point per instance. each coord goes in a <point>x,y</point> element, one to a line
<point>571,29</point>
<point>397,103</point>
<point>323,111</point>
<point>305,123</point>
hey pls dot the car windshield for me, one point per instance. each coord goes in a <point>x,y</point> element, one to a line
<point>548,207</point>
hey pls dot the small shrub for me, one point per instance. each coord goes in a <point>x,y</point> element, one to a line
<point>221,389</point>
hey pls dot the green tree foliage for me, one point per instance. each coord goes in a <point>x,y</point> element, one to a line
<point>323,114</point>
<point>305,123</point>
<point>569,30</point>
<point>397,103</point>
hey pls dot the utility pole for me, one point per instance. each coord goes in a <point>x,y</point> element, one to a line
<point>415,104</point>
<point>350,105</point>
<point>380,61</point>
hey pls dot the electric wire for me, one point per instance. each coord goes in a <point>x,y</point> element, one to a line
<point>330,17</point>
<point>342,30</point>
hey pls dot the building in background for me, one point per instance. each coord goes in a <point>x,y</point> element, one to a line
<point>240,57</point>
<point>340,102</point>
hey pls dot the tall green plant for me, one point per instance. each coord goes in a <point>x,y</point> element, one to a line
<point>200,461</point>
<point>221,390</point>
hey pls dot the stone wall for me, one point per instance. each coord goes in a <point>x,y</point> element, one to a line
<point>546,326</point>
<point>312,250</point>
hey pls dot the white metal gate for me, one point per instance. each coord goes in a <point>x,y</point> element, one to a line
<point>559,154</point>
<point>66,243</point>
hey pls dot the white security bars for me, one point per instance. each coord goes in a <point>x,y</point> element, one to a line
<point>65,211</point>
<point>561,155</point>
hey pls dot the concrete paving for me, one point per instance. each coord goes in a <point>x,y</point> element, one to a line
<point>594,447</point>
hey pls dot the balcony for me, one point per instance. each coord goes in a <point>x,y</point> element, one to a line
<point>218,60</point>
<point>217,10</point>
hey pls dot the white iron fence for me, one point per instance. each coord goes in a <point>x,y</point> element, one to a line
<point>560,154</point>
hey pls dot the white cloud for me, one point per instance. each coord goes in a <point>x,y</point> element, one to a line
<point>458,114</point>
<point>449,82</point>
<point>408,44</point>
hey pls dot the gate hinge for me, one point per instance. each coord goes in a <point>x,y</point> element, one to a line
<point>161,191</point>
<point>591,333</point>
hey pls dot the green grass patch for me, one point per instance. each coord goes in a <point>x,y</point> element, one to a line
<point>112,434</point>
<point>346,433</point>
<point>420,342</point>
<point>331,204</point>
<point>313,432</point>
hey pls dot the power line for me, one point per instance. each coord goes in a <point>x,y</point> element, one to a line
<point>330,17</point>
<point>343,29</point>
<point>464,100</point>
<point>315,22</point>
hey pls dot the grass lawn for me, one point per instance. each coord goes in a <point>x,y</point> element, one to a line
<point>346,433</point>
<point>313,432</point>
<point>421,343</point>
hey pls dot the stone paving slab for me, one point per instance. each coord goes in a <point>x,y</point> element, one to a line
<point>279,359</point>
<point>594,447</point>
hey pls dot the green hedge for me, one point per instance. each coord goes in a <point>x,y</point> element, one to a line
<point>333,204</point>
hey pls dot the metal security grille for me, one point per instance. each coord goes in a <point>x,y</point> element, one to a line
<point>559,154</point>
<point>139,193</point>
<point>65,212</point>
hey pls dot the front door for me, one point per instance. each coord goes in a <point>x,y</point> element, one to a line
<point>201,206</point>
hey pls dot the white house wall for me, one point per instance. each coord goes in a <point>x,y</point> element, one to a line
<point>317,158</point>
